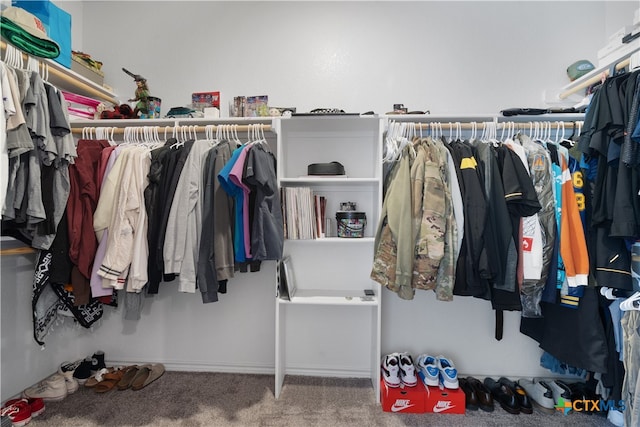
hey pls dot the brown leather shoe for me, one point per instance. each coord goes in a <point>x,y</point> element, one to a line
<point>485,400</point>
<point>470,397</point>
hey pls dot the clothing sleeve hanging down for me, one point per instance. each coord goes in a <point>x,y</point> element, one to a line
<point>455,226</point>
<point>102,216</point>
<point>122,227</point>
<point>236,177</point>
<point>223,220</point>
<point>81,204</point>
<point>429,207</point>
<point>184,225</point>
<point>207,277</point>
<point>138,277</point>
<point>58,171</point>
<point>237,195</point>
<point>394,241</point>
<point>573,246</point>
<point>267,232</point>
<point>154,201</point>
<point>471,270</point>
<point>540,168</point>
<point>171,171</point>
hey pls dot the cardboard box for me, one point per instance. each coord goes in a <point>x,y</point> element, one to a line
<point>444,401</point>
<point>403,399</point>
<point>84,70</point>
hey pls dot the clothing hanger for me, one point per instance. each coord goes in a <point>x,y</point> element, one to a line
<point>631,303</point>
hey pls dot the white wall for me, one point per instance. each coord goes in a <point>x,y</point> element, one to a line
<point>448,57</point>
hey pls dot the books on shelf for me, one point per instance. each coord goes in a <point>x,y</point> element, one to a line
<point>303,213</point>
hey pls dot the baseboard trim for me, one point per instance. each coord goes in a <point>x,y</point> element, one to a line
<point>191,366</point>
<point>328,372</point>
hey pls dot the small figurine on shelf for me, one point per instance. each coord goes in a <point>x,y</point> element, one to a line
<point>141,95</point>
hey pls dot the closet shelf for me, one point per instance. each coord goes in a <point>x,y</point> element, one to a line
<point>592,77</point>
<point>66,79</point>
<point>329,297</point>
<point>331,240</point>
<point>310,180</point>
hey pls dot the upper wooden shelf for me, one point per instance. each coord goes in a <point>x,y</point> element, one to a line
<point>66,79</point>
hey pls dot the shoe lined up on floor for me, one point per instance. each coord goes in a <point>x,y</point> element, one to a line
<point>504,395</point>
<point>540,394</point>
<point>21,411</point>
<point>407,370</point>
<point>390,370</point>
<point>438,370</point>
<point>50,389</point>
<point>429,370</point>
<point>480,392</point>
<point>524,402</point>
<point>561,393</point>
<point>88,367</point>
<point>448,373</point>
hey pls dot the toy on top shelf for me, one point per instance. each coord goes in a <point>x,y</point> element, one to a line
<point>147,106</point>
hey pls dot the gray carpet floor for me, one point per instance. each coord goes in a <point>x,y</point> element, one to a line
<point>203,399</point>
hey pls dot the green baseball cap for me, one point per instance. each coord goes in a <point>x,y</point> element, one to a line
<point>579,69</point>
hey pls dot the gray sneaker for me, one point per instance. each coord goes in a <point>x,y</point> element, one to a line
<point>52,388</point>
<point>540,393</point>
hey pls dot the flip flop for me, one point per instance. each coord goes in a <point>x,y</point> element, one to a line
<point>146,375</point>
<point>128,376</point>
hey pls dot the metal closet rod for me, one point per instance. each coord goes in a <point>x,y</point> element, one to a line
<point>554,124</point>
<point>161,129</point>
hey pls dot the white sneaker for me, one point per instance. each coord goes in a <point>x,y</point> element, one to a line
<point>448,373</point>
<point>390,370</point>
<point>407,370</point>
<point>67,370</point>
<point>429,371</point>
<point>52,388</point>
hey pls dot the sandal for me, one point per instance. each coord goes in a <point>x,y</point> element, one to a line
<point>128,376</point>
<point>97,378</point>
<point>146,375</point>
<point>109,381</point>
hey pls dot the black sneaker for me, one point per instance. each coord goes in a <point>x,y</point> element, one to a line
<point>83,372</point>
<point>97,361</point>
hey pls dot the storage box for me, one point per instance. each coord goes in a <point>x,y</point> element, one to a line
<point>445,401</point>
<point>202,100</point>
<point>56,21</point>
<point>84,70</point>
<point>402,399</point>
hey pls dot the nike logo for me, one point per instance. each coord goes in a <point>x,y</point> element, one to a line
<point>401,405</point>
<point>443,405</point>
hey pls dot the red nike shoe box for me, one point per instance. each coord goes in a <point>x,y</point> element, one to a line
<point>445,401</point>
<point>403,399</point>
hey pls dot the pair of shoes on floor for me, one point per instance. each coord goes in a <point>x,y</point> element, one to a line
<point>476,394</point>
<point>438,370</point>
<point>50,389</point>
<point>540,393</point>
<point>510,395</point>
<point>135,377</point>
<point>398,369</point>
<point>84,369</point>
<point>21,411</point>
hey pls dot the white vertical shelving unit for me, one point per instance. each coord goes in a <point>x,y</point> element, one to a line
<point>326,329</point>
